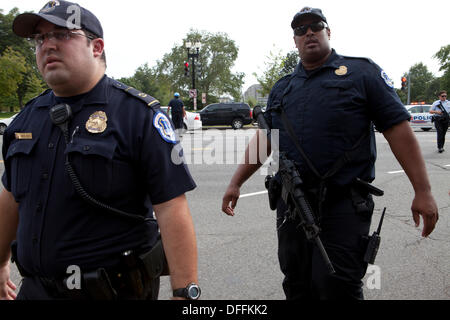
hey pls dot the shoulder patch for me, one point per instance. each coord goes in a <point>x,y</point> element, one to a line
<point>149,100</point>
<point>164,127</point>
<point>387,80</point>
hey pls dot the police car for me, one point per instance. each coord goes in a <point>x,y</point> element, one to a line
<point>5,122</point>
<point>420,116</point>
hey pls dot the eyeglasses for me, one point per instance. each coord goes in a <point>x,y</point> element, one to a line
<point>315,27</point>
<point>443,95</point>
<point>59,35</point>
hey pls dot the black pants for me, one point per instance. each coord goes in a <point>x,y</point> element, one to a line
<point>34,288</point>
<point>441,129</point>
<point>306,276</point>
<point>177,119</point>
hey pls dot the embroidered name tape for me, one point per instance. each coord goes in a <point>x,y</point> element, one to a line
<point>24,135</point>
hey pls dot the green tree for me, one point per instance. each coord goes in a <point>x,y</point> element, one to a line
<point>214,77</point>
<point>12,66</point>
<point>277,66</point>
<point>289,63</point>
<point>147,80</point>
<point>422,87</point>
<point>251,101</point>
<point>443,55</point>
<point>420,79</point>
<point>31,83</point>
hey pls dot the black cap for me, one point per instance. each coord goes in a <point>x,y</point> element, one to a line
<point>61,13</point>
<point>307,12</point>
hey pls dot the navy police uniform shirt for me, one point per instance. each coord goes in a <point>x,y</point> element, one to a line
<point>330,108</point>
<point>121,150</point>
<point>176,105</point>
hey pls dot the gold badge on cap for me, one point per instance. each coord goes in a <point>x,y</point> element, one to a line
<point>97,122</point>
<point>341,71</point>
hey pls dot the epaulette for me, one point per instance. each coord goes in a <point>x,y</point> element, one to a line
<point>149,100</point>
<point>359,58</point>
<point>39,95</point>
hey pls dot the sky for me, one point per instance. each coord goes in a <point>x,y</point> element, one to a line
<point>396,34</point>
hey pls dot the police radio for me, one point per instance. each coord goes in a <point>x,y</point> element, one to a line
<point>60,115</point>
<point>374,243</point>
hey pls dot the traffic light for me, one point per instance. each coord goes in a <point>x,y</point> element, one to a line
<point>403,83</point>
<point>186,69</point>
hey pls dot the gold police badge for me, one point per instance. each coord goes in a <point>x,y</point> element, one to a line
<point>341,71</point>
<point>97,122</point>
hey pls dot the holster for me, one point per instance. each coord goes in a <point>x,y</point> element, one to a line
<point>363,205</point>
<point>14,259</point>
<point>98,285</point>
<point>155,262</point>
<point>274,188</point>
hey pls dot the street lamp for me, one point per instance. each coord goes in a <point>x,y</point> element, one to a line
<point>195,47</point>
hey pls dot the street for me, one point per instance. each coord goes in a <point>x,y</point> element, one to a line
<point>238,255</point>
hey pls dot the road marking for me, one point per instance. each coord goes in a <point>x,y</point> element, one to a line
<point>252,194</point>
<point>399,171</point>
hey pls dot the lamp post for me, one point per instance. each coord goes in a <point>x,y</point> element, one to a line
<point>195,47</point>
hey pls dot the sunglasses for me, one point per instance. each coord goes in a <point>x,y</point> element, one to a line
<point>444,96</point>
<point>315,27</point>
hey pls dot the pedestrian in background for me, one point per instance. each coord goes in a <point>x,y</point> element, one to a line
<point>178,112</point>
<point>440,111</point>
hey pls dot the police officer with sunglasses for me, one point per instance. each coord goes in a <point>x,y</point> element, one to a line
<point>440,110</point>
<point>325,112</point>
<point>86,164</point>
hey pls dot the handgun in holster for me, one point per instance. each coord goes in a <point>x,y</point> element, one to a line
<point>273,190</point>
<point>373,243</point>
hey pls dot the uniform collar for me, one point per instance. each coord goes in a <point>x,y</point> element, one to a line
<point>332,62</point>
<point>98,95</point>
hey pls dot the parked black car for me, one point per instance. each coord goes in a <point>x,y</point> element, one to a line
<point>235,114</point>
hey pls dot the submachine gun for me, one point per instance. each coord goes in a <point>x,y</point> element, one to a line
<point>293,194</point>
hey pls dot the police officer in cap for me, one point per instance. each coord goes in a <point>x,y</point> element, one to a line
<point>440,110</point>
<point>86,164</point>
<point>178,112</point>
<point>331,102</point>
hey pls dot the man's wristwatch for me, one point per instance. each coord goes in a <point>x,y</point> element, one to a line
<point>191,292</point>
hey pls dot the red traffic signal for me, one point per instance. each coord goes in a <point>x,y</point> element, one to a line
<point>186,68</point>
<point>403,83</point>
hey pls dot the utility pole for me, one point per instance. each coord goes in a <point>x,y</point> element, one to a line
<point>409,88</point>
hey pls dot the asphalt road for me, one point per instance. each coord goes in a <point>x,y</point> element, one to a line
<point>237,255</point>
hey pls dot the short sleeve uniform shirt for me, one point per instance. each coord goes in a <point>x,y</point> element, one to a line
<point>330,108</point>
<point>121,150</point>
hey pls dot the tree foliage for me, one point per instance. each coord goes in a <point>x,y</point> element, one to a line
<point>213,66</point>
<point>12,66</point>
<point>421,80</point>
<point>213,74</point>
<point>277,66</point>
<point>443,55</point>
<point>30,82</point>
